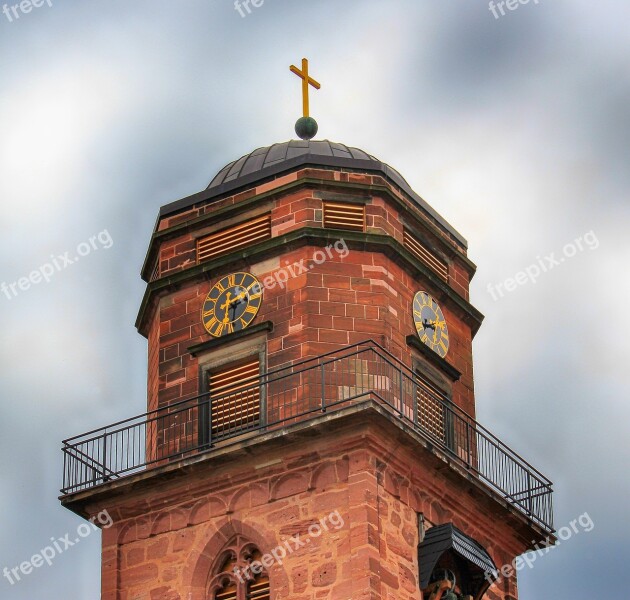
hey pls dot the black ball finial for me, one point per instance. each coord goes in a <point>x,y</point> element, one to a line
<point>306,128</point>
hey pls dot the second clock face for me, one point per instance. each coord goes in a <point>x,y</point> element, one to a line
<point>232,304</point>
<point>430,323</point>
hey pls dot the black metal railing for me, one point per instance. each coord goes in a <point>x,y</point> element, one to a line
<point>297,393</point>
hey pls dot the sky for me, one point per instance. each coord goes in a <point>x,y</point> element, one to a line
<point>515,128</point>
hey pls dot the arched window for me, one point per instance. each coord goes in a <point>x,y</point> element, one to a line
<point>239,574</point>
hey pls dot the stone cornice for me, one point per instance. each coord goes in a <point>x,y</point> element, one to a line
<point>160,236</point>
<point>385,244</point>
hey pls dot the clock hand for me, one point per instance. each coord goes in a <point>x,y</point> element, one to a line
<point>227,302</point>
<point>240,297</point>
<point>428,324</point>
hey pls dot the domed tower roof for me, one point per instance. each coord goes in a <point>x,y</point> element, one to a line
<point>280,156</point>
<point>272,161</point>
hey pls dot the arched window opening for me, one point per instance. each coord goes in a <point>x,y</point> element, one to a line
<point>239,574</point>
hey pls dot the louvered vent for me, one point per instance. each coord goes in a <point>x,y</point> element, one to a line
<point>155,274</point>
<point>234,238</point>
<point>259,589</point>
<point>235,401</point>
<point>430,412</point>
<point>425,256</point>
<point>344,216</point>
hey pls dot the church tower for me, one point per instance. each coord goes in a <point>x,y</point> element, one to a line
<point>310,429</point>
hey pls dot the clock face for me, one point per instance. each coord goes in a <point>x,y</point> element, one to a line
<point>232,304</point>
<point>430,323</point>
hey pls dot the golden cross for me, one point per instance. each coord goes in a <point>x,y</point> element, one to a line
<point>306,81</point>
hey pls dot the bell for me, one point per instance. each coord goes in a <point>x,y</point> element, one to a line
<point>449,595</point>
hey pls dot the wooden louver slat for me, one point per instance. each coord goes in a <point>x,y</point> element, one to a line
<point>234,238</point>
<point>425,256</point>
<point>259,589</point>
<point>228,593</point>
<point>235,398</point>
<point>344,216</point>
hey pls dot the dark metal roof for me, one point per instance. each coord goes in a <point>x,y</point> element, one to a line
<point>272,161</point>
<point>442,538</point>
<point>271,156</point>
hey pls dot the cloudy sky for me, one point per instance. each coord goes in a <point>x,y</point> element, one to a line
<point>516,129</point>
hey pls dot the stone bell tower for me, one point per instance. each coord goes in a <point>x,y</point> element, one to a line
<point>310,429</point>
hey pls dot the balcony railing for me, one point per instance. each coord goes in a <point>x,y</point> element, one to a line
<point>298,393</point>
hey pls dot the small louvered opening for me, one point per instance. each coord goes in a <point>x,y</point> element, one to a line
<point>430,411</point>
<point>425,256</point>
<point>235,399</point>
<point>259,589</point>
<point>344,216</point>
<point>234,238</point>
<point>155,274</point>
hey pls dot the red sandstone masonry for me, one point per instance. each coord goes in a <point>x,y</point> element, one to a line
<point>337,303</point>
<point>301,208</point>
<point>164,540</point>
<point>360,284</point>
<point>172,523</point>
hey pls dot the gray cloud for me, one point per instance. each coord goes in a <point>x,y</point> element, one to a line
<point>515,129</point>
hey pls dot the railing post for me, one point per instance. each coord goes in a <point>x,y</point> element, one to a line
<point>208,434</point>
<point>468,458</point>
<point>65,469</point>
<point>105,477</point>
<point>323,390</point>
<point>414,401</point>
<point>402,400</point>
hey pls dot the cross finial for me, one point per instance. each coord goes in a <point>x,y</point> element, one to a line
<point>306,127</point>
<point>306,81</point>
